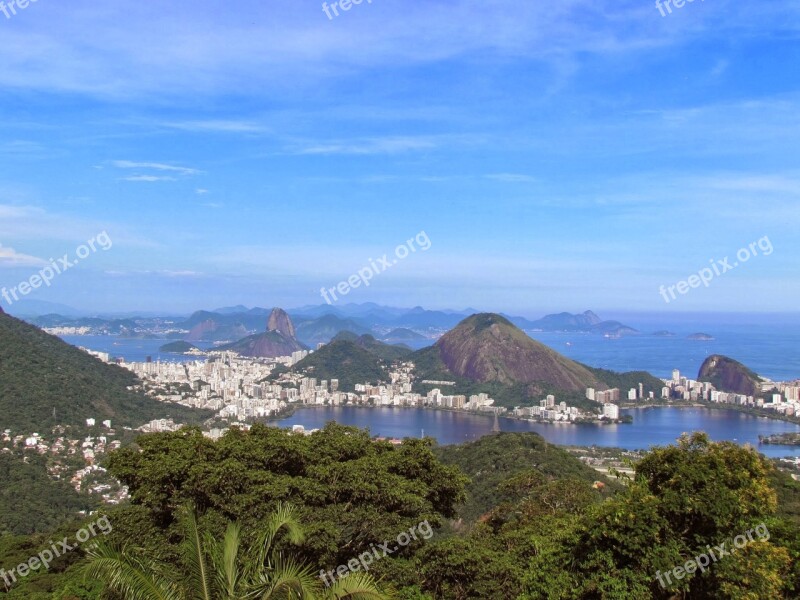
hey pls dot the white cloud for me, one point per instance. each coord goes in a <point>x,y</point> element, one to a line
<point>128,164</point>
<point>511,178</point>
<point>383,145</point>
<point>217,126</point>
<point>11,258</point>
<point>147,178</point>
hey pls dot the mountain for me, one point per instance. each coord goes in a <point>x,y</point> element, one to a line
<point>728,375</point>
<point>252,320</point>
<point>346,361</point>
<point>406,337</point>
<point>419,318</point>
<point>279,321</point>
<point>587,322</point>
<point>386,352</point>
<point>278,340</point>
<point>323,329</point>
<point>212,330</point>
<point>489,348</point>
<point>36,308</point>
<point>40,373</point>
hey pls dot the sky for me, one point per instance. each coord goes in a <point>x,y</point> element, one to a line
<point>556,156</point>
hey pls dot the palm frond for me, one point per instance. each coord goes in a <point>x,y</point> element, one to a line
<point>284,580</point>
<point>195,554</point>
<point>356,586</point>
<point>283,518</point>
<point>227,575</point>
<point>134,577</point>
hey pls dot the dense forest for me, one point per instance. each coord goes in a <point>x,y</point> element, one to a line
<point>509,516</point>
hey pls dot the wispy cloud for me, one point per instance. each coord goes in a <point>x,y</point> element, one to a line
<point>511,178</point>
<point>128,164</point>
<point>386,145</point>
<point>11,258</point>
<point>147,178</point>
<point>218,126</point>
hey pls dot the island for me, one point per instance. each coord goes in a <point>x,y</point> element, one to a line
<point>701,337</point>
<point>180,347</point>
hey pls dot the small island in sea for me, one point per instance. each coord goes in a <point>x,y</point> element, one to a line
<point>701,337</point>
<point>664,333</point>
<point>179,347</point>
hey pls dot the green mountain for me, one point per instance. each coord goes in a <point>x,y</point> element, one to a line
<point>493,459</point>
<point>489,348</point>
<point>346,361</point>
<point>39,373</point>
<point>30,501</point>
<point>728,375</point>
<point>487,353</point>
<point>383,351</point>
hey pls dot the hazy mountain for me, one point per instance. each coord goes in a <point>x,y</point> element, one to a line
<point>277,340</point>
<point>211,330</point>
<point>587,322</point>
<point>36,308</point>
<point>419,318</point>
<point>406,337</point>
<point>323,329</point>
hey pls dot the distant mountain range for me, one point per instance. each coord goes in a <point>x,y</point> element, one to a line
<point>416,327</point>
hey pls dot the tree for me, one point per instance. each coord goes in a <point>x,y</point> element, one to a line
<point>219,570</point>
<point>683,500</point>
<point>350,490</point>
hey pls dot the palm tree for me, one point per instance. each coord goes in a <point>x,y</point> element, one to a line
<point>215,571</point>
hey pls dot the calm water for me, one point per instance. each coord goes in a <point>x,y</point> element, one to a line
<point>772,351</point>
<point>659,426</point>
<point>132,350</point>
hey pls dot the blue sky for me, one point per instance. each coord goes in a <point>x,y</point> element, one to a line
<point>560,156</point>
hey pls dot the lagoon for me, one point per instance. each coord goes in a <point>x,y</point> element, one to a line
<point>651,426</point>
